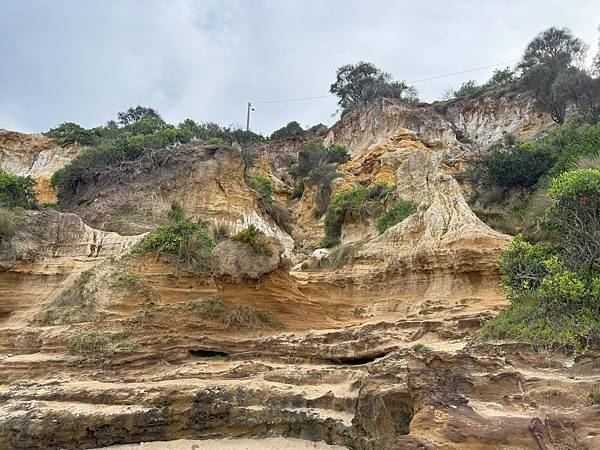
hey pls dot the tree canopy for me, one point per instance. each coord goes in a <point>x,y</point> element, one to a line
<point>360,84</point>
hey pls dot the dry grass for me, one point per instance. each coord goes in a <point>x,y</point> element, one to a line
<point>75,305</point>
<point>217,312</point>
<point>134,283</point>
<point>9,224</point>
<point>589,162</point>
<point>339,257</point>
<point>99,344</point>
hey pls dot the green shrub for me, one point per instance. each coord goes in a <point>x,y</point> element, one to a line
<point>313,155</point>
<point>290,130</point>
<point>176,213</point>
<point>467,89</point>
<point>524,265</point>
<point>264,186</point>
<point>521,165</point>
<point>318,163</point>
<point>527,320</point>
<point>184,241</point>
<point>70,133</point>
<point>298,190</point>
<point>554,291</point>
<point>212,133</point>
<point>362,83</point>
<point>575,216</point>
<point>255,239</point>
<point>16,191</point>
<point>396,213</point>
<point>349,206</point>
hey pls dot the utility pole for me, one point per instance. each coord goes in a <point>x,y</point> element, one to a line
<point>250,108</point>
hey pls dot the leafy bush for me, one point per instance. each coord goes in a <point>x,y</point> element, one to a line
<point>255,239</point>
<point>290,130</point>
<point>467,89</point>
<point>554,291</point>
<point>264,186</point>
<point>212,133</point>
<point>298,190</point>
<point>514,166</point>
<point>523,264</point>
<point>396,213</point>
<point>550,72</point>
<point>313,155</point>
<point>140,129</point>
<point>16,191</point>
<point>133,115</point>
<point>575,216</point>
<point>70,133</point>
<point>185,242</point>
<point>352,205</point>
<point>318,164</point>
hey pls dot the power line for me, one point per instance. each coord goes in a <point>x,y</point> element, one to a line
<point>462,71</point>
<point>475,69</point>
<point>293,99</point>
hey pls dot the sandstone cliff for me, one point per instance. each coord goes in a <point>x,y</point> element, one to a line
<point>374,353</point>
<point>36,156</point>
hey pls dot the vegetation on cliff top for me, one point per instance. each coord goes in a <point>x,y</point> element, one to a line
<point>138,131</point>
<point>362,83</point>
<point>552,71</point>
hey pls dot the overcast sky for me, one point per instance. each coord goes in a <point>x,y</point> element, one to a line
<point>84,60</point>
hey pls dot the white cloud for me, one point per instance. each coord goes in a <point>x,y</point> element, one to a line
<point>84,61</point>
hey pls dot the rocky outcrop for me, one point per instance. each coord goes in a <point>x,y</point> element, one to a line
<point>235,260</point>
<point>489,120</point>
<point>45,256</point>
<point>371,349</point>
<point>36,156</point>
<point>49,235</point>
<point>208,181</point>
<point>457,127</point>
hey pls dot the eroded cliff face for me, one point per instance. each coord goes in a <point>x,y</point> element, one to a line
<point>36,156</point>
<point>375,353</point>
<point>208,181</point>
<point>458,127</point>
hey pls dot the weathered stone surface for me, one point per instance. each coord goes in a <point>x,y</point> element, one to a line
<point>376,353</point>
<point>36,156</point>
<point>238,260</point>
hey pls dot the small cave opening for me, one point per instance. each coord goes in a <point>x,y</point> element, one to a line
<point>360,359</point>
<point>198,353</point>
